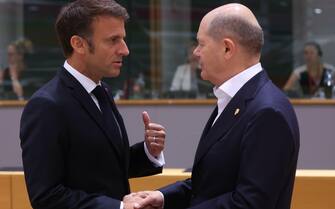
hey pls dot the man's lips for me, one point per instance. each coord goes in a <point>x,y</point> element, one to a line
<point>117,63</point>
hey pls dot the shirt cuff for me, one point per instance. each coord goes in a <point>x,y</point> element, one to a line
<point>159,161</point>
<point>162,197</point>
<point>121,204</point>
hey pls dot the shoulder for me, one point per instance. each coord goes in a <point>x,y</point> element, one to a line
<point>329,66</point>
<point>48,89</point>
<point>270,97</point>
<point>41,101</point>
<point>48,96</point>
<point>300,69</point>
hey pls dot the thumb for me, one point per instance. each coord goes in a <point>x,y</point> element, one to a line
<point>146,119</point>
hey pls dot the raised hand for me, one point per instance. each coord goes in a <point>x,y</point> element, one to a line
<point>154,135</point>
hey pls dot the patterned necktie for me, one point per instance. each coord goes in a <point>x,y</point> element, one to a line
<point>108,115</point>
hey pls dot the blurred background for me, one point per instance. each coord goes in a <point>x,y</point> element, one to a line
<point>159,34</point>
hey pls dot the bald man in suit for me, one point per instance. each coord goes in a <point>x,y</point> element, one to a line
<point>247,154</point>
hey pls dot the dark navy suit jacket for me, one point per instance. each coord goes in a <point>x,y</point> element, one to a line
<point>247,159</point>
<point>70,159</point>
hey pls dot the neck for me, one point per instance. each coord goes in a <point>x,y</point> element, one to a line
<point>237,68</point>
<point>80,66</point>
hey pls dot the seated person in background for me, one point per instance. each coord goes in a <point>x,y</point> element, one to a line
<point>138,87</point>
<point>133,88</point>
<point>305,80</point>
<point>16,65</point>
<point>185,78</point>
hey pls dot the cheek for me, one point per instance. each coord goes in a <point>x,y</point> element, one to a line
<point>212,59</point>
<point>206,56</point>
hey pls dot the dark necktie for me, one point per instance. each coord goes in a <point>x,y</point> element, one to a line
<point>108,115</point>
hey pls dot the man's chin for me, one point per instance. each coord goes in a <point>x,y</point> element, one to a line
<point>114,73</point>
<point>203,76</point>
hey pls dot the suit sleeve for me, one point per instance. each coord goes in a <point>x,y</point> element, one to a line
<point>43,142</point>
<point>266,160</point>
<point>139,164</point>
<point>177,195</point>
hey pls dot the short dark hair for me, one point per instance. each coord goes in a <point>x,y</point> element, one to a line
<point>316,46</point>
<point>76,18</point>
<point>250,36</point>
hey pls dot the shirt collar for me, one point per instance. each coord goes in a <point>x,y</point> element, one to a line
<point>85,81</point>
<point>234,84</point>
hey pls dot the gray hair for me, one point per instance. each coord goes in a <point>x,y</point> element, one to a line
<point>250,36</point>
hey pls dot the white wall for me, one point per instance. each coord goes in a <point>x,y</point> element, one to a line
<point>184,125</point>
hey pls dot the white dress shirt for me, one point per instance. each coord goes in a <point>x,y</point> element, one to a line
<point>228,89</point>
<point>89,86</point>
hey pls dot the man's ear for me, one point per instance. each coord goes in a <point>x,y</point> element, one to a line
<point>78,44</point>
<point>229,47</point>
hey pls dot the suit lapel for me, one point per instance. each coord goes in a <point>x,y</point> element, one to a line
<point>119,120</point>
<point>221,126</point>
<point>230,115</point>
<point>85,100</point>
<point>204,133</point>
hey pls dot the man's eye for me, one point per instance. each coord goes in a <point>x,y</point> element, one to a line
<point>113,40</point>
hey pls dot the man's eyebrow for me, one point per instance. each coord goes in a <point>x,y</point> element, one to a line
<point>115,37</point>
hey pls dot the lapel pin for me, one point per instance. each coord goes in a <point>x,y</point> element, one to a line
<point>236,111</point>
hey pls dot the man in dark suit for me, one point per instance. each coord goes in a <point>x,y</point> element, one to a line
<point>75,148</point>
<point>247,154</point>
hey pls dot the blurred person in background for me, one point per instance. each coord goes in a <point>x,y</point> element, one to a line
<point>11,75</point>
<point>306,79</point>
<point>185,79</point>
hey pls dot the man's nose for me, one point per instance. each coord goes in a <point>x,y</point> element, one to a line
<point>196,52</point>
<point>124,51</point>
